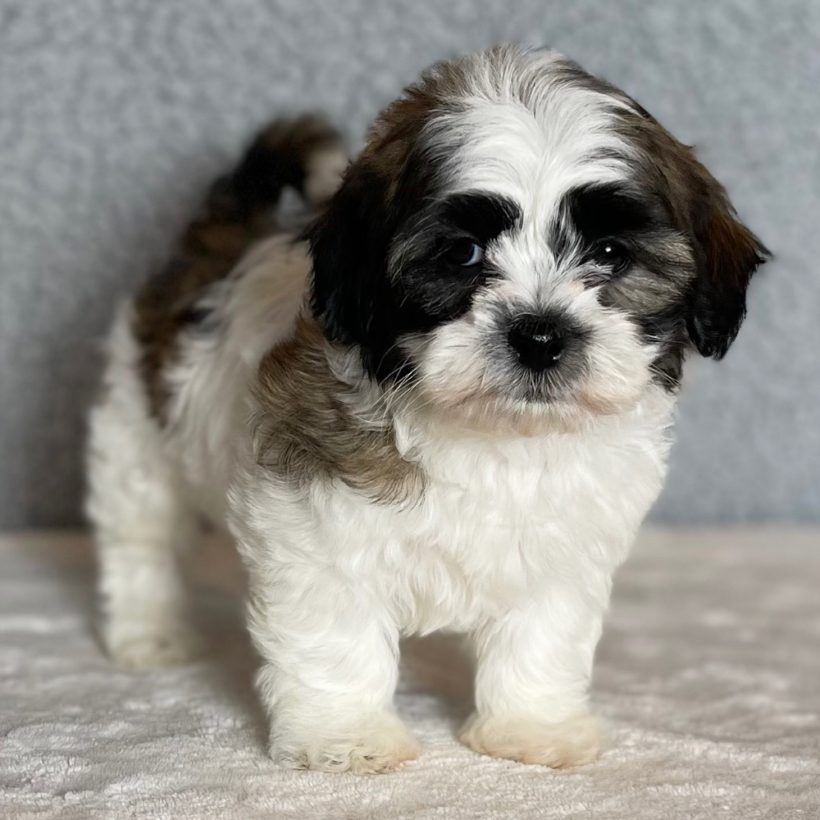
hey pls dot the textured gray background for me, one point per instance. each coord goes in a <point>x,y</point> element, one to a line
<point>114,114</point>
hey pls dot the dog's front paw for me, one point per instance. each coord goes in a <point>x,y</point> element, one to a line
<point>166,642</point>
<point>378,743</point>
<point>572,742</point>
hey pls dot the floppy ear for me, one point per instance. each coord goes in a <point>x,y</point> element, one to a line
<point>349,244</point>
<point>727,253</point>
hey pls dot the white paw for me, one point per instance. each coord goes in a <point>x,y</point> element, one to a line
<point>572,742</point>
<point>376,744</point>
<point>142,646</point>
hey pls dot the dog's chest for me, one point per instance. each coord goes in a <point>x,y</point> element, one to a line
<point>526,490</point>
<point>501,519</point>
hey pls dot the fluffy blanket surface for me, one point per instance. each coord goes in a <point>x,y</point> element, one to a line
<point>708,675</point>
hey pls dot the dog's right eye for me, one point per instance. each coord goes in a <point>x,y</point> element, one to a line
<point>612,254</point>
<point>466,253</point>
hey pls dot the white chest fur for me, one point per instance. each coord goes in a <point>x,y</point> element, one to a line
<point>500,519</point>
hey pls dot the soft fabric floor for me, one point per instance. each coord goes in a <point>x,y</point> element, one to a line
<point>708,674</point>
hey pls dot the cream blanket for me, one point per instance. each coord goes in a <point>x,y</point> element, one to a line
<point>708,674</point>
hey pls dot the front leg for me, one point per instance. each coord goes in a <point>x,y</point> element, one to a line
<point>330,665</point>
<point>534,667</point>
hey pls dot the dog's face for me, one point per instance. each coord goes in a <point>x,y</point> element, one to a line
<point>521,239</point>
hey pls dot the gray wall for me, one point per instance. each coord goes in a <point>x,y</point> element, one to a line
<point>114,114</point>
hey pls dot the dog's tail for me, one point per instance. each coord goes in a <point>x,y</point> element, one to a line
<point>305,154</point>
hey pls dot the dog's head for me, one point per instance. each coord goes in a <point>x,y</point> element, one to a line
<point>520,238</point>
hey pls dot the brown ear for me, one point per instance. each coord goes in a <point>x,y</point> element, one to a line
<point>727,253</point>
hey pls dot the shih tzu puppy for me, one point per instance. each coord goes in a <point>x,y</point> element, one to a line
<point>445,405</point>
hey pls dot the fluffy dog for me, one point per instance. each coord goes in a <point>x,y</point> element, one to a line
<point>445,405</point>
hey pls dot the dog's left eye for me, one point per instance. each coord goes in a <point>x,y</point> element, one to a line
<point>613,254</point>
<point>465,253</point>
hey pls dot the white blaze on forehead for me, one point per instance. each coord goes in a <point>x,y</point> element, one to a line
<point>537,156</point>
<point>526,129</point>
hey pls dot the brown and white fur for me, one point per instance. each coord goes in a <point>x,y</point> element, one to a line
<point>446,406</point>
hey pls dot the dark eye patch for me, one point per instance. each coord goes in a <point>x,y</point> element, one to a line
<point>480,215</point>
<point>595,217</point>
<point>432,275</point>
<point>598,212</point>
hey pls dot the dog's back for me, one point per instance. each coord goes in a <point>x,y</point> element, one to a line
<point>304,154</point>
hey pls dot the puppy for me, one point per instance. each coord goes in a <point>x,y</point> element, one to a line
<point>445,405</point>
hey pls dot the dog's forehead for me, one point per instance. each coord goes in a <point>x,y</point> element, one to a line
<point>532,144</point>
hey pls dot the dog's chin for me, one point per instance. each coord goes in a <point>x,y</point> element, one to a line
<point>461,385</point>
<point>537,413</point>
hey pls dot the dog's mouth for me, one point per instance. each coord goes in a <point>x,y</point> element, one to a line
<point>560,385</point>
<point>546,390</point>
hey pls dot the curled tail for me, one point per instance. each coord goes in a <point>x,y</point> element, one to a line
<point>306,154</point>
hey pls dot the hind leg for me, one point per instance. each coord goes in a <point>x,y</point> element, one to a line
<point>141,521</point>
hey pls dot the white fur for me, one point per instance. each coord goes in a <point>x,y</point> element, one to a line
<point>513,541</point>
<point>142,522</point>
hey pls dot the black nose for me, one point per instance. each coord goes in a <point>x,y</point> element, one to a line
<point>537,340</point>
